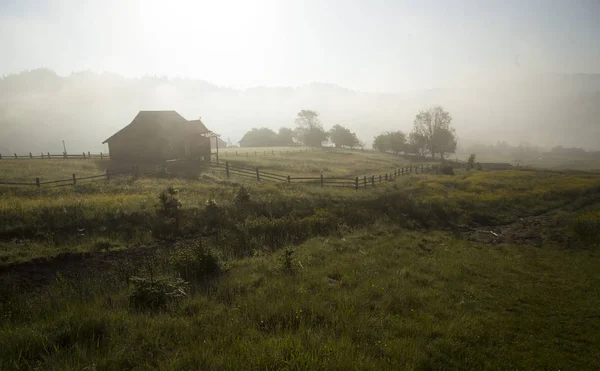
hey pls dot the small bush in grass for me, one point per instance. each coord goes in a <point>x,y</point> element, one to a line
<point>156,293</point>
<point>242,196</point>
<point>198,262</point>
<point>287,260</point>
<point>446,169</point>
<point>586,228</point>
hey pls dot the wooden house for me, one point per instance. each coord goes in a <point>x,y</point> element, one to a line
<point>156,136</point>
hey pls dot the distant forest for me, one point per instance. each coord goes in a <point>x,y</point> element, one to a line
<point>39,109</point>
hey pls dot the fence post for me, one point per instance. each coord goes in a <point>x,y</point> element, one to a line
<point>37,182</point>
<point>410,168</point>
<point>30,156</point>
<point>321,179</point>
<point>89,155</point>
<point>373,180</point>
<point>74,179</point>
<point>227,168</point>
<point>107,175</point>
<point>101,156</point>
<point>365,180</point>
<point>402,171</point>
<point>289,179</point>
<point>0,156</point>
<point>48,154</point>
<point>257,175</point>
<point>42,155</point>
<point>356,183</point>
<point>386,177</point>
<point>395,173</point>
<point>16,156</point>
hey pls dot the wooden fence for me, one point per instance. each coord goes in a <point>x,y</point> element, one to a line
<point>324,181</point>
<point>48,156</point>
<point>73,180</point>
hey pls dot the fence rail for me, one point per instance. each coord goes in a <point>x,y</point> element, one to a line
<point>260,176</point>
<point>337,182</point>
<point>64,155</point>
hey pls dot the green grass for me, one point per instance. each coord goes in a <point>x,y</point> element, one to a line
<point>47,170</point>
<point>330,162</point>
<point>379,298</point>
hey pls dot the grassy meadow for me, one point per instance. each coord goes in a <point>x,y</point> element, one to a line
<point>477,270</point>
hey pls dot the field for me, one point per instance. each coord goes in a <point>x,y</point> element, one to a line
<point>477,270</point>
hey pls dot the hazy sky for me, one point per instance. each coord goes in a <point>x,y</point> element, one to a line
<point>370,45</point>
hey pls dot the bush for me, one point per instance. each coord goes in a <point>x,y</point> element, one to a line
<point>242,196</point>
<point>471,161</point>
<point>197,262</point>
<point>446,169</point>
<point>586,229</point>
<point>287,260</point>
<point>156,293</point>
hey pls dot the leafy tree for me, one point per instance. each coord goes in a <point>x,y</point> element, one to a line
<point>433,126</point>
<point>394,141</point>
<point>343,137</point>
<point>309,129</point>
<point>382,142</point>
<point>471,162</point>
<point>263,137</point>
<point>285,137</point>
<point>445,141</point>
<point>417,144</point>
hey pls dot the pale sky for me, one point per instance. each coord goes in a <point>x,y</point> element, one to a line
<point>370,45</point>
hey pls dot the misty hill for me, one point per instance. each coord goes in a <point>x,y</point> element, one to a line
<point>38,109</point>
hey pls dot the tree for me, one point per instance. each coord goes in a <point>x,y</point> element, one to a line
<point>343,137</point>
<point>309,129</point>
<point>417,144</point>
<point>382,142</point>
<point>433,127</point>
<point>471,162</point>
<point>394,141</point>
<point>444,140</point>
<point>285,137</point>
<point>263,137</point>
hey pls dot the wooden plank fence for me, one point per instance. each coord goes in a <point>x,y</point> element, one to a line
<point>321,180</point>
<point>73,180</point>
<point>356,182</point>
<point>64,155</point>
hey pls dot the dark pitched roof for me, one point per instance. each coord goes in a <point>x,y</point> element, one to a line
<point>167,120</point>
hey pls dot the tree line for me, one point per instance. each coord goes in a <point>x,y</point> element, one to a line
<point>309,132</point>
<point>432,135</point>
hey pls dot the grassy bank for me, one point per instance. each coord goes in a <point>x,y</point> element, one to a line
<point>378,298</point>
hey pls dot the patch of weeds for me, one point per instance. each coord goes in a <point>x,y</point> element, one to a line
<point>242,196</point>
<point>586,229</point>
<point>197,262</point>
<point>156,293</point>
<point>287,260</point>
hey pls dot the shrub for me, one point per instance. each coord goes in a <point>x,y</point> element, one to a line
<point>446,169</point>
<point>242,196</point>
<point>197,262</point>
<point>156,293</point>
<point>586,228</point>
<point>287,260</point>
<point>471,161</point>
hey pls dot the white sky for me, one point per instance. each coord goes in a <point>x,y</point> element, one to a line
<point>370,45</point>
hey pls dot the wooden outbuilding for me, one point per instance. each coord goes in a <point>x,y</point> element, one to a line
<point>156,136</point>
